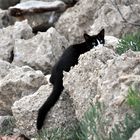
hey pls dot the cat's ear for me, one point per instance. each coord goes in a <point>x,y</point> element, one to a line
<point>102,33</point>
<point>86,36</point>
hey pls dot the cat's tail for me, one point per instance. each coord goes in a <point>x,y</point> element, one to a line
<point>49,103</point>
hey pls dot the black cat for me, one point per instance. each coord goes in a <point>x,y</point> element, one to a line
<point>69,58</point>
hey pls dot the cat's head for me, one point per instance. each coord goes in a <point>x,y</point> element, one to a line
<point>95,40</point>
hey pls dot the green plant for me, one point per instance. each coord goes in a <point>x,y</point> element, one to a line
<point>130,41</point>
<point>94,126</point>
<point>7,126</point>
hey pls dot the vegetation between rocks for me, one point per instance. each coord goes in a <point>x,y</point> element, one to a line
<point>129,41</point>
<point>94,124</point>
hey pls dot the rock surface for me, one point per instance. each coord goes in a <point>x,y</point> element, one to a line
<point>40,52</point>
<point>25,111</point>
<point>9,35</point>
<point>136,135</point>
<point>93,15</point>
<point>4,4</point>
<point>20,81</point>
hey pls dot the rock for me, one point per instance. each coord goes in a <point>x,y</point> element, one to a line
<point>82,81</point>
<point>5,19</point>
<point>104,76</point>
<point>136,135</point>
<point>107,15</point>
<point>20,81</point>
<point>4,4</point>
<point>93,15</point>
<point>40,52</point>
<point>4,68</point>
<point>25,111</point>
<point>41,15</point>
<point>114,81</point>
<point>8,37</point>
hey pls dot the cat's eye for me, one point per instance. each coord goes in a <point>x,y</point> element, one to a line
<point>93,43</point>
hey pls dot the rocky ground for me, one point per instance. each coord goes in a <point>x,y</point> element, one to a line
<point>26,59</point>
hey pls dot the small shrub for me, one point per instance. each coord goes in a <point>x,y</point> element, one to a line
<point>130,41</point>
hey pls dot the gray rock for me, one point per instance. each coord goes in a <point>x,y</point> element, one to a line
<point>41,15</point>
<point>4,4</point>
<point>5,19</point>
<point>136,135</point>
<point>25,111</point>
<point>82,80</point>
<point>40,52</point>
<point>93,15</point>
<point>8,37</point>
<point>20,81</point>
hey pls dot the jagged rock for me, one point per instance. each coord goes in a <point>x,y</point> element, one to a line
<point>40,52</point>
<point>41,15</point>
<point>102,75</point>
<point>68,2</point>
<point>4,4</point>
<point>25,111</point>
<point>20,81</point>
<point>93,15</point>
<point>8,37</point>
<point>136,135</point>
<point>5,19</point>
<point>82,80</point>
<point>4,68</point>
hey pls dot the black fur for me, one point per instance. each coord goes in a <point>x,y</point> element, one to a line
<point>69,58</point>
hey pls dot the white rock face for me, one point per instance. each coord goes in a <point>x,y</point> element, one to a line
<point>19,81</point>
<point>10,34</point>
<point>136,135</point>
<point>40,52</point>
<point>102,75</point>
<point>82,80</point>
<point>93,15</point>
<point>25,111</point>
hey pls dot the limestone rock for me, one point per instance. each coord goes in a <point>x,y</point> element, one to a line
<point>115,79</point>
<point>5,19</point>
<point>136,135</point>
<point>41,15</point>
<point>93,15</point>
<point>82,80</point>
<point>20,81</point>
<point>40,52</point>
<point>25,111</point>
<point>8,37</point>
<point>4,4</point>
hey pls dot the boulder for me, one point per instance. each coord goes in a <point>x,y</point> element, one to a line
<point>136,135</point>
<point>41,15</point>
<point>20,81</point>
<point>82,80</point>
<point>104,76</point>
<point>4,4</point>
<point>40,52</point>
<point>8,37</point>
<point>5,19</point>
<point>25,111</point>
<point>93,15</point>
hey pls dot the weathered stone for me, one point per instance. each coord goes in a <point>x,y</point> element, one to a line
<point>82,80</point>
<point>20,81</point>
<point>4,4</point>
<point>93,15</point>
<point>41,15</point>
<point>40,52</point>
<point>25,111</point>
<point>8,37</point>
<point>136,135</point>
<point>5,19</point>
